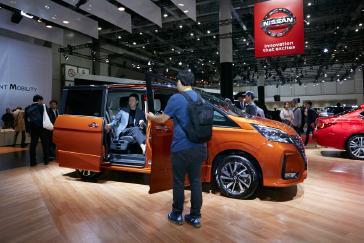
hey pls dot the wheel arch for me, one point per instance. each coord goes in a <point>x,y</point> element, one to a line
<point>237,152</point>
<point>348,138</point>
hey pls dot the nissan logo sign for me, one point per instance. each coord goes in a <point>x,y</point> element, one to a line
<point>280,25</point>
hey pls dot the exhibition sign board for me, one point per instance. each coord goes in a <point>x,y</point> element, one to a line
<point>25,70</point>
<point>278,28</point>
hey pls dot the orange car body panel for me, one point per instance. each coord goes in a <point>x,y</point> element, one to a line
<point>70,130</point>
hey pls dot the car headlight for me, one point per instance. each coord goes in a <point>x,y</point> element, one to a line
<point>273,134</point>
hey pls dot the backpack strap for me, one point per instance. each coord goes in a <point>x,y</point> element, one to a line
<point>187,97</point>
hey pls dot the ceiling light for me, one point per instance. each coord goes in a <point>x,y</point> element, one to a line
<point>143,47</point>
<point>26,15</point>
<point>214,36</point>
<point>121,9</point>
<point>149,63</point>
<point>140,33</point>
<point>325,75</point>
<point>180,63</point>
<point>172,49</point>
<point>49,26</point>
<point>181,26</point>
<point>186,11</point>
<point>99,28</point>
<point>307,22</point>
<point>217,53</point>
<point>170,58</point>
<point>208,32</point>
<point>306,42</point>
<point>338,75</point>
<point>309,4</point>
<point>326,50</point>
<point>156,31</point>
<point>65,22</point>
<point>119,37</point>
<point>244,39</point>
<point>134,43</point>
<point>337,27</point>
<point>165,15</point>
<point>308,16</point>
<point>181,4</point>
<point>107,60</point>
<point>191,34</point>
<point>199,23</point>
<point>47,7</point>
<point>198,39</point>
<point>356,30</point>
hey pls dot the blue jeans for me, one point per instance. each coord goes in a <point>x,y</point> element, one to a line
<point>188,161</point>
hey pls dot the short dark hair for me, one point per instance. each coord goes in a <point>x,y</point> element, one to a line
<point>309,102</point>
<point>37,98</point>
<point>53,101</point>
<point>135,96</point>
<point>240,94</point>
<point>186,77</point>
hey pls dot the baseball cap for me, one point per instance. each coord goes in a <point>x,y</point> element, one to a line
<point>250,93</point>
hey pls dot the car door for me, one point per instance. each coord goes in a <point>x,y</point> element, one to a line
<point>78,131</point>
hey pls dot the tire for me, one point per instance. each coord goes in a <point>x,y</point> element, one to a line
<point>355,147</point>
<point>88,175</point>
<point>237,177</point>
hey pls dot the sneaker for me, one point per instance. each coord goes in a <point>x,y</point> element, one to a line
<point>192,220</point>
<point>175,218</point>
<point>143,146</point>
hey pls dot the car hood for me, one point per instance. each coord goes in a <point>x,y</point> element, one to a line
<point>245,123</point>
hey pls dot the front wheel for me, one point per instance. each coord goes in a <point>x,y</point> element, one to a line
<point>237,177</point>
<point>355,147</point>
<point>88,174</point>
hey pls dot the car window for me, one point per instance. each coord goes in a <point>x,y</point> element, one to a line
<point>222,105</point>
<point>84,102</point>
<point>118,99</point>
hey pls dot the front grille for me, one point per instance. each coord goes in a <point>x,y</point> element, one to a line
<point>297,141</point>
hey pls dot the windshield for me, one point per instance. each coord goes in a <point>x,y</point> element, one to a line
<point>219,103</point>
<point>347,111</point>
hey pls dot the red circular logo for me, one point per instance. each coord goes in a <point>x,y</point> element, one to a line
<point>278,22</point>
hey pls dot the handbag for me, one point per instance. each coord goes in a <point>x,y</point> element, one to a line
<point>47,124</point>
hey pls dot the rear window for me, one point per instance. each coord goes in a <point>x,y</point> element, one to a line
<point>83,102</point>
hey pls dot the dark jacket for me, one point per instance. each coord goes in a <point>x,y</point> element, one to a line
<point>33,117</point>
<point>139,115</point>
<point>311,117</point>
<point>52,116</point>
<point>8,120</point>
<point>239,105</point>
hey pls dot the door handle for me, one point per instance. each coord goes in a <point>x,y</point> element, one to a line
<point>93,125</point>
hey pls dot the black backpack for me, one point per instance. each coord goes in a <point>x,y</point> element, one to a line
<point>201,116</point>
<point>34,116</point>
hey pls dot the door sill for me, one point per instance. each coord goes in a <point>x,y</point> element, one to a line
<point>129,160</point>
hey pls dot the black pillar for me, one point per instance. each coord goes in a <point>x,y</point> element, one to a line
<point>226,49</point>
<point>226,86</point>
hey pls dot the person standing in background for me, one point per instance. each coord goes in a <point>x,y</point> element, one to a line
<point>297,117</point>
<point>240,103</point>
<point>260,111</point>
<point>8,119</point>
<point>19,126</point>
<point>34,125</point>
<point>311,116</point>
<point>250,107</point>
<point>53,114</point>
<point>287,114</point>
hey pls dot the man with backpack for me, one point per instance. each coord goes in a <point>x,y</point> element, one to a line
<point>192,119</point>
<point>34,125</point>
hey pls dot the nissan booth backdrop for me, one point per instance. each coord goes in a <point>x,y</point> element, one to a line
<point>25,70</point>
<point>278,28</point>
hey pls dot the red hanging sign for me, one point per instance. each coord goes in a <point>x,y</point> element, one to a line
<point>278,28</point>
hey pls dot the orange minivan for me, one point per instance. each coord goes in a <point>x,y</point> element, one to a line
<point>244,152</point>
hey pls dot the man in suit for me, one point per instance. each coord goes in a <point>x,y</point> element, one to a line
<point>34,125</point>
<point>240,103</point>
<point>130,121</point>
<point>311,116</point>
<point>250,107</point>
<point>53,114</point>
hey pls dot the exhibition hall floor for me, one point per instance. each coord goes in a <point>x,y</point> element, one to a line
<point>51,204</point>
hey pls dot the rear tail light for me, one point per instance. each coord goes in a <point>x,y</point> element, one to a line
<point>322,125</point>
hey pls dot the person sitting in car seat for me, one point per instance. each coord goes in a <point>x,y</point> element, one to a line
<point>129,121</point>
